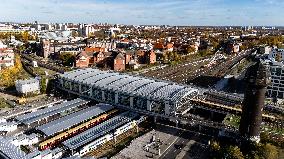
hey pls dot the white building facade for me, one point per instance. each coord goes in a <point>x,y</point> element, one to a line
<point>276,89</point>
<point>27,86</point>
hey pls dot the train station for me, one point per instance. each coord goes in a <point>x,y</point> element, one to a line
<point>40,116</point>
<point>133,92</point>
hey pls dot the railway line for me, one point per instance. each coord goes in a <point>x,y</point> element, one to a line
<point>219,70</point>
<point>217,65</point>
<point>177,73</point>
<point>221,108</point>
<point>235,100</point>
<point>49,66</point>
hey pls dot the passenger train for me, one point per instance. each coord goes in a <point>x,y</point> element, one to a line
<point>110,136</point>
<point>54,141</point>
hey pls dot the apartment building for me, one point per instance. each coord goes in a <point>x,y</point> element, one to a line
<point>275,59</point>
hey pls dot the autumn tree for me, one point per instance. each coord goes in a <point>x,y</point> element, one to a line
<point>269,151</point>
<point>74,33</point>
<point>7,75</point>
<point>233,152</point>
<point>25,36</point>
<point>278,57</point>
<point>190,49</point>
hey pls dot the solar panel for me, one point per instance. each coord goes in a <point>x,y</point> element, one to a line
<point>43,113</point>
<point>45,110</point>
<point>68,121</point>
<point>99,130</point>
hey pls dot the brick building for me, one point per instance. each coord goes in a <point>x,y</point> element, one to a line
<point>7,58</point>
<point>82,60</point>
<point>119,62</point>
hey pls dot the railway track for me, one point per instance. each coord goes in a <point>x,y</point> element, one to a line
<point>267,116</point>
<point>183,73</point>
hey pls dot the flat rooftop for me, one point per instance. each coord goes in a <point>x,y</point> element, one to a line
<point>46,112</point>
<point>68,121</point>
<point>100,130</point>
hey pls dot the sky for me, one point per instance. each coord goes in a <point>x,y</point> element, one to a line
<point>150,12</point>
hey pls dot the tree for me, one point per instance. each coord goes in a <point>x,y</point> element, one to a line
<point>43,85</point>
<point>278,57</point>
<point>243,47</point>
<point>233,152</point>
<point>215,146</point>
<point>269,151</point>
<point>204,52</point>
<point>25,36</point>
<point>74,33</point>
<point>67,59</point>
<point>190,49</point>
<point>100,34</point>
<point>7,75</point>
<point>264,137</point>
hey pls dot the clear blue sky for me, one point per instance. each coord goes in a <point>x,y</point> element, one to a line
<point>172,12</point>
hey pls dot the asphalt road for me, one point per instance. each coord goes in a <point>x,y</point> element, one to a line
<point>186,136</point>
<point>183,139</point>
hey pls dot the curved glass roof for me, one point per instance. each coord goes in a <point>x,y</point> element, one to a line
<point>128,84</point>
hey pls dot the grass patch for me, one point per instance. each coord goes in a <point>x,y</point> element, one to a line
<point>3,103</point>
<point>232,120</point>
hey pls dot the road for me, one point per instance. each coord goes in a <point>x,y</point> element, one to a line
<point>187,139</point>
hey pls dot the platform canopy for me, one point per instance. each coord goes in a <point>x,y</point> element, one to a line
<point>132,85</point>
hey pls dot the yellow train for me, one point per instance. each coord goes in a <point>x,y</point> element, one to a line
<point>238,109</point>
<point>52,142</point>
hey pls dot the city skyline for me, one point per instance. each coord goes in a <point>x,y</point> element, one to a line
<point>158,12</point>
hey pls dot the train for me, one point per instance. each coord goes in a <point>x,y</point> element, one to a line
<point>110,136</point>
<point>266,117</point>
<point>54,141</point>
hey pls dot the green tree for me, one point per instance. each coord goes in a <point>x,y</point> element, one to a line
<point>43,85</point>
<point>243,47</point>
<point>67,59</point>
<point>204,52</point>
<point>264,137</point>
